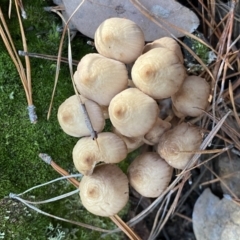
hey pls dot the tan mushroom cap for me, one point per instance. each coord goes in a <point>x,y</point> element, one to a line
<point>149,174</point>
<point>153,136</point>
<point>158,73</point>
<point>133,113</point>
<point>165,42</point>
<point>72,120</point>
<point>99,78</point>
<point>174,143</point>
<point>119,39</point>
<point>106,191</point>
<point>132,143</point>
<point>108,148</point>
<point>192,97</point>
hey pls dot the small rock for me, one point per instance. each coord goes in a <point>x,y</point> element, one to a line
<point>215,219</point>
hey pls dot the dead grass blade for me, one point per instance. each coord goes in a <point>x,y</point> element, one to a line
<point>210,13</point>
<point>207,160</point>
<point>59,54</point>
<point>82,105</point>
<point>217,179</point>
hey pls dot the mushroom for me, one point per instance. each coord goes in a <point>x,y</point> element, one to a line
<point>106,191</point>
<point>158,73</point>
<point>119,39</point>
<point>191,98</point>
<point>132,143</point>
<point>108,148</point>
<point>175,145</point>
<point>72,119</point>
<point>149,174</point>
<point>152,137</point>
<point>99,78</point>
<point>133,113</point>
<point>165,42</point>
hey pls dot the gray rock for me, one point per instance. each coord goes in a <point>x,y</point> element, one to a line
<point>215,219</point>
<point>93,12</point>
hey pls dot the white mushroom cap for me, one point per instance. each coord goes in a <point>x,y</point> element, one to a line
<point>108,148</point>
<point>165,42</point>
<point>99,78</point>
<point>72,120</point>
<point>149,174</point>
<point>106,191</point>
<point>158,73</point>
<point>120,39</point>
<point>192,97</point>
<point>174,144</point>
<point>133,113</point>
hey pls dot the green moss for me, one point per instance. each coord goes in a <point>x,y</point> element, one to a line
<point>202,51</point>
<point>21,141</point>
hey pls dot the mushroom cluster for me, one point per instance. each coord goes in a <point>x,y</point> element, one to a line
<point>135,111</point>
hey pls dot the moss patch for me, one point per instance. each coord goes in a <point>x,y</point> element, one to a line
<point>21,141</point>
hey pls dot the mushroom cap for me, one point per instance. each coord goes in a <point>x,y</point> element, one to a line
<point>158,73</point>
<point>91,13</point>
<point>174,143</point>
<point>165,42</point>
<point>120,39</point>
<point>132,143</point>
<point>72,120</point>
<point>132,112</point>
<point>108,148</point>
<point>99,78</point>
<point>149,174</point>
<point>153,136</point>
<point>192,97</point>
<point>106,191</point>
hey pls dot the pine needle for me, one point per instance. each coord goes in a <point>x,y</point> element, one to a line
<point>25,76</point>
